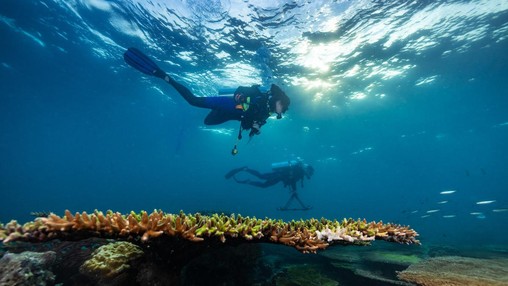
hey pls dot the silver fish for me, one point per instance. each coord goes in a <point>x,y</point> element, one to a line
<point>484,202</point>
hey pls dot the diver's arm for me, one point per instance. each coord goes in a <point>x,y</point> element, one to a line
<point>186,93</point>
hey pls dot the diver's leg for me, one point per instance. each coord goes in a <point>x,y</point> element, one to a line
<point>259,184</point>
<point>223,109</point>
<point>295,196</point>
<point>187,94</point>
<point>256,173</point>
<point>288,203</point>
<point>246,181</point>
<point>234,172</point>
<point>265,184</point>
<point>216,117</point>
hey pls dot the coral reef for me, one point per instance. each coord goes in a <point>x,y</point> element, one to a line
<point>375,265</point>
<point>376,277</point>
<point>456,270</point>
<point>226,265</point>
<point>305,235</point>
<point>111,259</point>
<point>304,275</point>
<point>404,259</point>
<point>27,268</point>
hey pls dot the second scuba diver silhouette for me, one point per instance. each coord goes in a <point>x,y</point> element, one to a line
<point>288,172</point>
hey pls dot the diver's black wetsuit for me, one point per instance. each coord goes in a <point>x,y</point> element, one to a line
<point>225,108</point>
<point>288,176</point>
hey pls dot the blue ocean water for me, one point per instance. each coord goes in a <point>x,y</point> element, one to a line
<point>393,103</point>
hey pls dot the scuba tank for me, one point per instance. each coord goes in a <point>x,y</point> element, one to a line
<point>279,166</point>
<point>231,90</point>
<point>227,91</point>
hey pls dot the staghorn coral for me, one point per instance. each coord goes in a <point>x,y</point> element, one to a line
<point>456,270</point>
<point>111,259</point>
<point>11,230</point>
<point>304,235</point>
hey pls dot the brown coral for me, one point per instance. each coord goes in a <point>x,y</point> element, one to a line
<point>305,235</point>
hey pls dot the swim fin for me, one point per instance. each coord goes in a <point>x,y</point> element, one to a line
<point>136,59</point>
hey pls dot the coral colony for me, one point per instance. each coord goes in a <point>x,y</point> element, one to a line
<point>305,235</point>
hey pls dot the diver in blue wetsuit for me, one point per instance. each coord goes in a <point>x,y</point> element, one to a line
<point>248,105</point>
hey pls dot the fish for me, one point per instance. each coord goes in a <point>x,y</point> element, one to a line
<point>413,212</point>
<point>448,192</point>
<point>500,210</point>
<point>442,202</point>
<point>449,216</point>
<point>424,216</point>
<point>484,202</point>
<point>501,124</point>
<point>479,215</point>
<point>40,214</point>
<point>432,211</point>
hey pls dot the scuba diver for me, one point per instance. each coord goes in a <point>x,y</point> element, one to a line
<point>289,173</point>
<point>249,105</point>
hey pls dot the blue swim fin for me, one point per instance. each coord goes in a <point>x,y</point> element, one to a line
<point>136,59</point>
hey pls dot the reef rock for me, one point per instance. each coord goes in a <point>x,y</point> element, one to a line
<point>302,275</point>
<point>27,268</point>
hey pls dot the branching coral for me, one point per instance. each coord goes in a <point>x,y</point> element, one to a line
<point>305,235</point>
